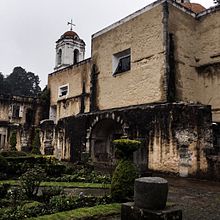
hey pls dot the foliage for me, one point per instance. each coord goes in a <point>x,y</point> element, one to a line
<point>62,184</point>
<point>3,166</point>
<point>83,175</point>
<point>32,209</point>
<point>49,192</point>
<point>54,170</point>
<point>95,212</point>
<point>21,83</point>
<point>56,203</point>
<point>45,102</point>
<point>64,202</point>
<point>122,186</point>
<point>3,190</point>
<point>15,195</point>
<point>217,2</point>
<point>13,153</point>
<point>126,147</point>
<point>13,141</point>
<point>17,165</point>
<point>30,181</point>
<point>36,142</point>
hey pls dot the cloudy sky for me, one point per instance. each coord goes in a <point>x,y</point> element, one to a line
<point>29,28</point>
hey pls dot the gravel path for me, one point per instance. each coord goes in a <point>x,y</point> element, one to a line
<point>199,200</point>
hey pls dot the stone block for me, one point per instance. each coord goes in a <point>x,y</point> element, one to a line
<point>150,193</point>
<point>130,212</point>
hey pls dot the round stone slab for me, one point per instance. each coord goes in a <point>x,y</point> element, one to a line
<point>150,193</point>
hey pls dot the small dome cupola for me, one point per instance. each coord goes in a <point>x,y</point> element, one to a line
<point>70,49</point>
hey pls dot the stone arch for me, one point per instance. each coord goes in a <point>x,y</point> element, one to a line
<point>100,134</point>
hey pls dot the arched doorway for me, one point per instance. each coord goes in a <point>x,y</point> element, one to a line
<point>102,135</point>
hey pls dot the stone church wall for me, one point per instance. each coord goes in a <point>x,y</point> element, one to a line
<point>175,137</point>
<point>74,76</point>
<point>197,58</point>
<point>144,82</point>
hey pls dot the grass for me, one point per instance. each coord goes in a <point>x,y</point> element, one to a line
<point>76,214</point>
<point>62,184</point>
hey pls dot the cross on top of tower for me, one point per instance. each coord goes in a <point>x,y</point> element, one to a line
<point>71,24</point>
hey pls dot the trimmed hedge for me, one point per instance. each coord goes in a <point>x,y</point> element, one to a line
<point>125,148</point>
<point>13,153</point>
<point>122,186</point>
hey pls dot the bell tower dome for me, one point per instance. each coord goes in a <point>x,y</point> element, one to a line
<point>70,49</point>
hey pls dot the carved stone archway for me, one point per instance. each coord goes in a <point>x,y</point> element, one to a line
<point>103,130</point>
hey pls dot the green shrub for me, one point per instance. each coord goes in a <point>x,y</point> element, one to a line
<point>13,141</point>
<point>48,193</point>
<point>27,210</point>
<point>13,153</point>
<point>55,170</point>
<point>65,203</point>
<point>3,167</point>
<point>125,148</point>
<point>30,181</point>
<point>122,186</point>
<point>15,195</point>
<point>36,142</point>
<point>3,190</point>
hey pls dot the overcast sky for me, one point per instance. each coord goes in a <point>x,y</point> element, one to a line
<point>29,28</point>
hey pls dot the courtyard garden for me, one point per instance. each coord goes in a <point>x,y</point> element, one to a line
<point>34,185</point>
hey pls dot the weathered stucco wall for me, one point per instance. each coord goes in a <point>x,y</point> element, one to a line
<point>179,140</point>
<point>25,104</point>
<point>175,137</point>
<point>143,83</point>
<point>197,58</point>
<point>74,76</point>
<point>182,26</point>
<point>208,57</point>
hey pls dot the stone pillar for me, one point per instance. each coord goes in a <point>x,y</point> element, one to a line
<point>47,129</point>
<point>150,192</point>
<point>150,197</point>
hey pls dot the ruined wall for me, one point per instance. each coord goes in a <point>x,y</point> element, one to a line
<point>74,76</point>
<point>179,140</point>
<point>143,83</point>
<point>197,58</point>
<point>24,103</point>
<point>175,137</point>
<point>18,114</point>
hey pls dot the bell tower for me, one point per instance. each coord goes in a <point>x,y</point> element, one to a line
<point>70,49</point>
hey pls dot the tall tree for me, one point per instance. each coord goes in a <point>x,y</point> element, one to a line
<point>22,83</point>
<point>217,2</point>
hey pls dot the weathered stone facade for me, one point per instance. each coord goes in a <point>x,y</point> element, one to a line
<point>151,77</point>
<point>18,115</point>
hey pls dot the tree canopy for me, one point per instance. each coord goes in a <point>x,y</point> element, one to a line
<point>217,2</point>
<point>20,83</point>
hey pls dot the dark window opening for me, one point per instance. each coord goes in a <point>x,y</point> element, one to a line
<point>59,60</point>
<point>63,91</point>
<point>29,117</point>
<point>124,64</point>
<point>15,111</point>
<point>76,56</point>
